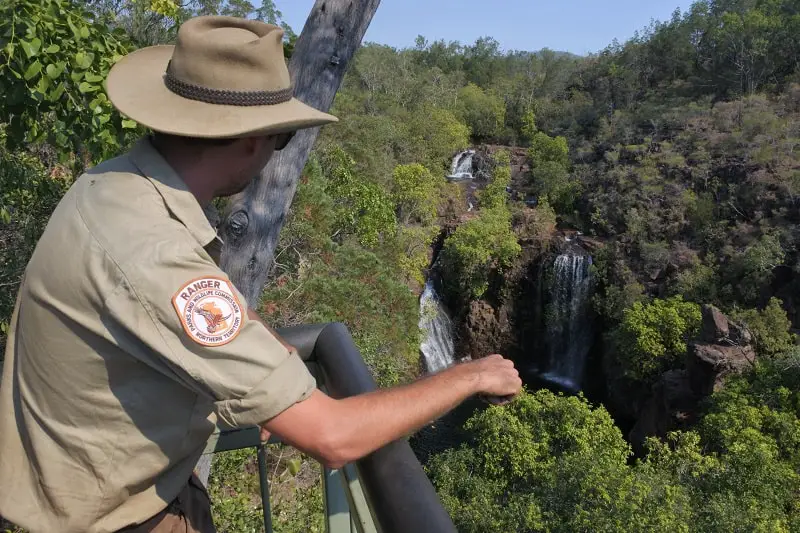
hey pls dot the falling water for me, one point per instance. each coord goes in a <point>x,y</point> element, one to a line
<point>568,325</point>
<point>437,348</point>
<point>461,169</point>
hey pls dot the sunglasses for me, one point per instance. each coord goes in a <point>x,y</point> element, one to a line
<point>282,139</point>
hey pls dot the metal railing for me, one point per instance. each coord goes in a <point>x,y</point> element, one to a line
<point>386,491</point>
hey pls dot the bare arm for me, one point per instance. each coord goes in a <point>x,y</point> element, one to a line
<point>337,432</point>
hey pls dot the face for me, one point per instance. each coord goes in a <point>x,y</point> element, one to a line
<point>251,155</point>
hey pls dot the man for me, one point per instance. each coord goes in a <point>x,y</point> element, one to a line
<point>128,343</point>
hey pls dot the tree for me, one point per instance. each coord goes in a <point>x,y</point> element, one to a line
<point>652,336</point>
<point>253,219</point>
<point>552,463</point>
<point>484,112</point>
<point>770,328</point>
<point>361,208</point>
<point>415,193</point>
<point>53,60</point>
<point>477,248</point>
<point>496,194</point>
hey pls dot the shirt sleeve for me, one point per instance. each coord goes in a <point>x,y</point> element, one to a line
<point>188,320</point>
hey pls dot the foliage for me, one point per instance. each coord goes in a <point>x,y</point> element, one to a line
<point>410,249</point>
<point>355,287</point>
<point>495,194</point>
<point>361,208</point>
<point>415,193</point>
<point>652,336</point>
<point>546,149</point>
<point>478,247</point>
<point>551,463</point>
<point>770,328</point>
<point>295,492</point>
<point>482,111</point>
<point>28,194</point>
<point>53,60</point>
<point>536,226</point>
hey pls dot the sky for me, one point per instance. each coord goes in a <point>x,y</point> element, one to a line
<point>577,26</point>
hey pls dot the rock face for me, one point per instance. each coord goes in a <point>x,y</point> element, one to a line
<point>483,163</point>
<point>671,406</point>
<point>722,349</point>
<point>485,330</point>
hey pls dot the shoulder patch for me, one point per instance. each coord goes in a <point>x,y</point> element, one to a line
<point>209,311</point>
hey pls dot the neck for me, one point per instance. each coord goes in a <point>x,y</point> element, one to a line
<point>191,167</point>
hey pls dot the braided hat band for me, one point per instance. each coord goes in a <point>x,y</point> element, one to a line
<point>226,96</point>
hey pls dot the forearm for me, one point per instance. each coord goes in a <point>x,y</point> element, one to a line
<point>337,432</point>
<point>369,421</point>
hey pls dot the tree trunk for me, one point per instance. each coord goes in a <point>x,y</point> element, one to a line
<point>329,39</point>
<point>332,34</point>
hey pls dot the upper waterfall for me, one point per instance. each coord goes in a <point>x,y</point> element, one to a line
<point>461,168</point>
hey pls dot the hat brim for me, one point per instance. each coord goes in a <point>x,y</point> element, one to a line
<point>136,87</point>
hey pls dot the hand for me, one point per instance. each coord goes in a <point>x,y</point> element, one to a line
<point>497,377</point>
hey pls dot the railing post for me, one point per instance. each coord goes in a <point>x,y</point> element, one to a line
<point>264,485</point>
<point>337,510</point>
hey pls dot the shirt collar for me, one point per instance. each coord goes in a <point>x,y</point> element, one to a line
<point>179,199</point>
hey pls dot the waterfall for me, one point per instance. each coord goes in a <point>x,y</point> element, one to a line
<point>567,319</point>
<point>437,348</point>
<point>461,169</point>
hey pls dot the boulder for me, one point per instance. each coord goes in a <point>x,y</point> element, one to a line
<point>590,244</point>
<point>722,349</point>
<point>709,365</point>
<point>715,325</point>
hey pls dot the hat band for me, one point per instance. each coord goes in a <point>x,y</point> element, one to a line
<point>226,96</point>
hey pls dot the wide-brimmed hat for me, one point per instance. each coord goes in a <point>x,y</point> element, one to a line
<point>224,77</point>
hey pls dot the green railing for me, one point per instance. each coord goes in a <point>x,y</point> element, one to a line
<point>387,491</point>
<point>346,507</point>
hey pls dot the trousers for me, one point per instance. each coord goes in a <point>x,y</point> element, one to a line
<point>189,512</point>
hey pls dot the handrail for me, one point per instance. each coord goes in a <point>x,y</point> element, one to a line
<point>400,495</point>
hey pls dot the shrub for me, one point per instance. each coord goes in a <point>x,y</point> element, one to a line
<point>652,336</point>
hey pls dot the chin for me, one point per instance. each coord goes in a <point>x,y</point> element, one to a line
<point>235,188</point>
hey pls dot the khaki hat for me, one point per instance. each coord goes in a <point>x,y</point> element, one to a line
<point>225,77</point>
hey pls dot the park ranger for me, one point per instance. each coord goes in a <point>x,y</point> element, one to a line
<point>128,344</point>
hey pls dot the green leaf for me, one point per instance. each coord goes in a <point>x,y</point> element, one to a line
<point>84,60</point>
<point>31,47</point>
<point>33,70</point>
<point>54,71</point>
<point>93,78</point>
<point>56,93</point>
<point>43,85</point>
<point>75,32</point>
<point>84,32</point>
<point>86,87</point>
<point>52,49</point>
<point>294,466</point>
<point>128,124</point>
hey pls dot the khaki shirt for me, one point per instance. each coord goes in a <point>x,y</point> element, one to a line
<point>125,349</point>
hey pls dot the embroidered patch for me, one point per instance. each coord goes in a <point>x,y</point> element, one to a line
<point>209,311</point>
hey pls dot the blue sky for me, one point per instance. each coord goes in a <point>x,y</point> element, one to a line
<point>577,26</point>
